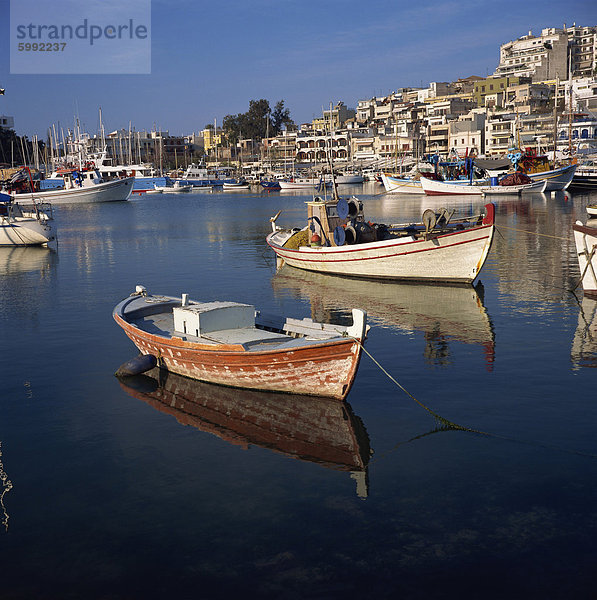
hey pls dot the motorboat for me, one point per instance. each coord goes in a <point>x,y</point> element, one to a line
<point>25,226</point>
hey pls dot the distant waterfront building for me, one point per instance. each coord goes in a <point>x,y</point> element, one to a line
<point>7,122</point>
<point>466,136</point>
<point>500,133</point>
<point>490,86</point>
<point>527,98</point>
<point>539,57</point>
<point>582,43</point>
<point>335,117</point>
<point>557,53</point>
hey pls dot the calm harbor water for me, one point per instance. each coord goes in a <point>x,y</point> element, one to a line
<point>174,489</point>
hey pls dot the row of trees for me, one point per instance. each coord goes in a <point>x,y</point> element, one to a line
<point>258,122</point>
<point>16,150</point>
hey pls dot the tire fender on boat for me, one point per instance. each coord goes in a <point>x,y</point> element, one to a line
<point>137,365</point>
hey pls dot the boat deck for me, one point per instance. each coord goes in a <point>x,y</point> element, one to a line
<point>250,338</point>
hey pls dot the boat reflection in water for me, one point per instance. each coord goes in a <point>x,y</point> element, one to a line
<point>584,344</point>
<point>442,313</point>
<point>312,429</point>
<point>21,259</point>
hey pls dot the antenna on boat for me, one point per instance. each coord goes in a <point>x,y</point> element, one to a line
<point>335,195</point>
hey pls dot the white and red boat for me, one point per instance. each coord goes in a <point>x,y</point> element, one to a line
<point>400,185</point>
<point>432,187</point>
<point>337,240</point>
<point>585,238</point>
<point>232,344</point>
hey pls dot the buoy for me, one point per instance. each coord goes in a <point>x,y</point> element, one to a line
<point>136,366</point>
<point>315,240</point>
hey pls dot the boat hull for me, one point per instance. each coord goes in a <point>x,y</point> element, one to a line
<point>455,257</point>
<point>110,191</point>
<point>396,185</point>
<point>585,239</point>
<point>325,368</point>
<point>583,182</point>
<point>557,179</point>
<point>536,187</point>
<point>26,229</point>
<point>26,232</point>
<point>299,185</point>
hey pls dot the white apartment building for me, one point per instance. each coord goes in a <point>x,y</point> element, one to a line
<point>582,43</point>
<point>540,57</point>
<point>466,136</point>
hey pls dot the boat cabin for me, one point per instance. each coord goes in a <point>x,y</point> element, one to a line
<point>335,223</point>
<point>73,178</point>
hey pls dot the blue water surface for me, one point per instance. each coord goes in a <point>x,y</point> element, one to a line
<point>108,496</point>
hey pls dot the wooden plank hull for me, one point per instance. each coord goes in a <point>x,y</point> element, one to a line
<point>452,257</point>
<point>585,239</point>
<point>315,368</point>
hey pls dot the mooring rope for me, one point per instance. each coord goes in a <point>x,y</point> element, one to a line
<point>446,424</point>
<point>555,237</point>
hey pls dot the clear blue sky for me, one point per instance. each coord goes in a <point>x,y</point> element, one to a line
<point>210,58</point>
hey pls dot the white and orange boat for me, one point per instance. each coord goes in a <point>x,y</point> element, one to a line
<point>232,344</point>
<point>338,240</point>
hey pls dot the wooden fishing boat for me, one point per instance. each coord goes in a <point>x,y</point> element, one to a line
<point>557,179</point>
<point>338,240</point>
<point>232,344</point>
<point>592,211</point>
<point>316,430</point>
<point>585,238</point>
<point>432,187</point>
<point>399,185</point>
<point>25,226</point>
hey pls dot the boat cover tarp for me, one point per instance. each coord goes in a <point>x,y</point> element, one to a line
<point>493,163</point>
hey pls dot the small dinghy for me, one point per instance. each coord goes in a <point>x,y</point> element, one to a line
<point>232,344</point>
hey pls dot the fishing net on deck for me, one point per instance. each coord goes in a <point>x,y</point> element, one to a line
<point>516,179</point>
<point>300,238</point>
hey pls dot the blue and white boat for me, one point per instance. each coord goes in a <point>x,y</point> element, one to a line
<point>200,175</point>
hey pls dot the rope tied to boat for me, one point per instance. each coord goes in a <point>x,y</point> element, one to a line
<point>554,237</point>
<point>446,424</point>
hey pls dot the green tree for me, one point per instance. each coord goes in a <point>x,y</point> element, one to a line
<point>280,117</point>
<point>257,122</point>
